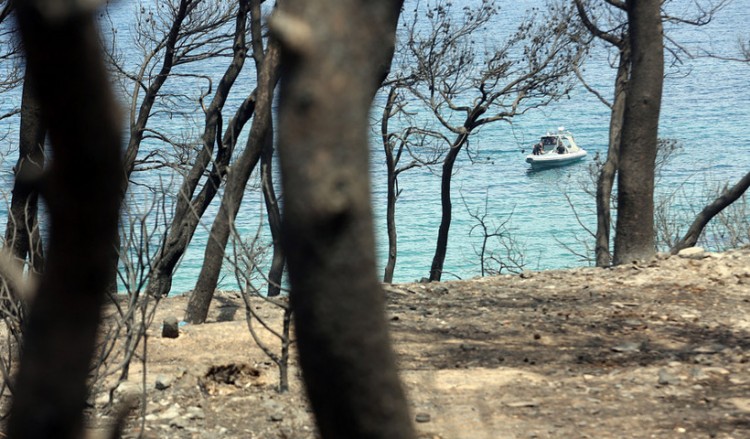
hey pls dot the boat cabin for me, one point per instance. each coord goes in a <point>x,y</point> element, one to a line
<point>555,149</point>
<point>549,142</point>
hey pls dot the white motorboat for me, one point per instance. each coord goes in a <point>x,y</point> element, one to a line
<point>555,149</point>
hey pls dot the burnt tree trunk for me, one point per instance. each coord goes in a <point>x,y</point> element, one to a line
<point>438,260</point>
<point>190,207</point>
<point>634,232</point>
<point>183,226</point>
<point>392,195</point>
<point>278,260</point>
<point>335,54</point>
<point>723,201</point>
<point>138,126</point>
<point>606,179</point>
<point>82,190</point>
<point>22,237</point>
<point>261,132</point>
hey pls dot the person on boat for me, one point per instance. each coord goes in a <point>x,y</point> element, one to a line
<point>560,149</point>
<point>538,148</point>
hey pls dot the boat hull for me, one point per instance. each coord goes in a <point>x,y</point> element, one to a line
<point>553,160</point>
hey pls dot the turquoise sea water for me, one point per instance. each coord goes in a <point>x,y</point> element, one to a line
<point>706,108</point>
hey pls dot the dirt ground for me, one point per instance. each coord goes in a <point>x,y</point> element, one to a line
<point>657,350</point>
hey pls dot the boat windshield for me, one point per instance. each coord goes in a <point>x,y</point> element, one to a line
<point>549,140</point>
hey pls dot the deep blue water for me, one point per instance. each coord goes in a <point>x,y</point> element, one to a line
<point>706,106</point>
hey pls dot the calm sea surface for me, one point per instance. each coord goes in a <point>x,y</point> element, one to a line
<point>706,108</point>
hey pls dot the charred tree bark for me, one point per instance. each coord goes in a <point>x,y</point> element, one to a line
<point>261,133</point>
<point>190,208</point>
<point>634,238</point>
<point>82,190</point>
<point>605,182</point>
<point>183,227</point>
<point>335,52</point>
<point>392,176</point>
<point>22,237</point>
<point>278,259</point>
<point>390,216</point>
<point>723,201</point>
<point>438,260</point>
<point>441,248</point>
<point>138,126</point>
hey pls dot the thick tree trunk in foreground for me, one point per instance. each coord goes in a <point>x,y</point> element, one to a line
<point>335,52</point>
<point>22,237</point>
<point>605,182</point>
<point>261,132</point>
<point>82,192</point>
<point>723,201</point>
<point>634,238</point>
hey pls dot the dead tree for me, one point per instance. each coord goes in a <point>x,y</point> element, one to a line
<point>634,237</point>
<point>616,37</point>
<point>464,89</point>
<point>725,199</point>
<point>259,148</point>
<point>609,25</point>
<point>82,192</point>
<point>412,142</point>
<point>261,135</point>
<point>213,160</point>
<point>22,237</point>
<point>335,55</point>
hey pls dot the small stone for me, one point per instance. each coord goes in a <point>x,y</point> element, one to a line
<point>170,327</point>
<point>163,382</point>
<point>666,378</point>
<point>441,291</point>
<point>423,417</point>
<point>522,404</point>
<point>195,413</point>
<point>627,347</point>
<point>276,418</point>
<point>692,253</point>
<point>713,348</point>
<point>128,389</point>
<point>170,413</point>
<point>741,404</point>
<point>102,399</point>
<point>716,370</point>
<point>178,422</point>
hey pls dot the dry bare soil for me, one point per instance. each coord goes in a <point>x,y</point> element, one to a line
<point>653,350</point>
